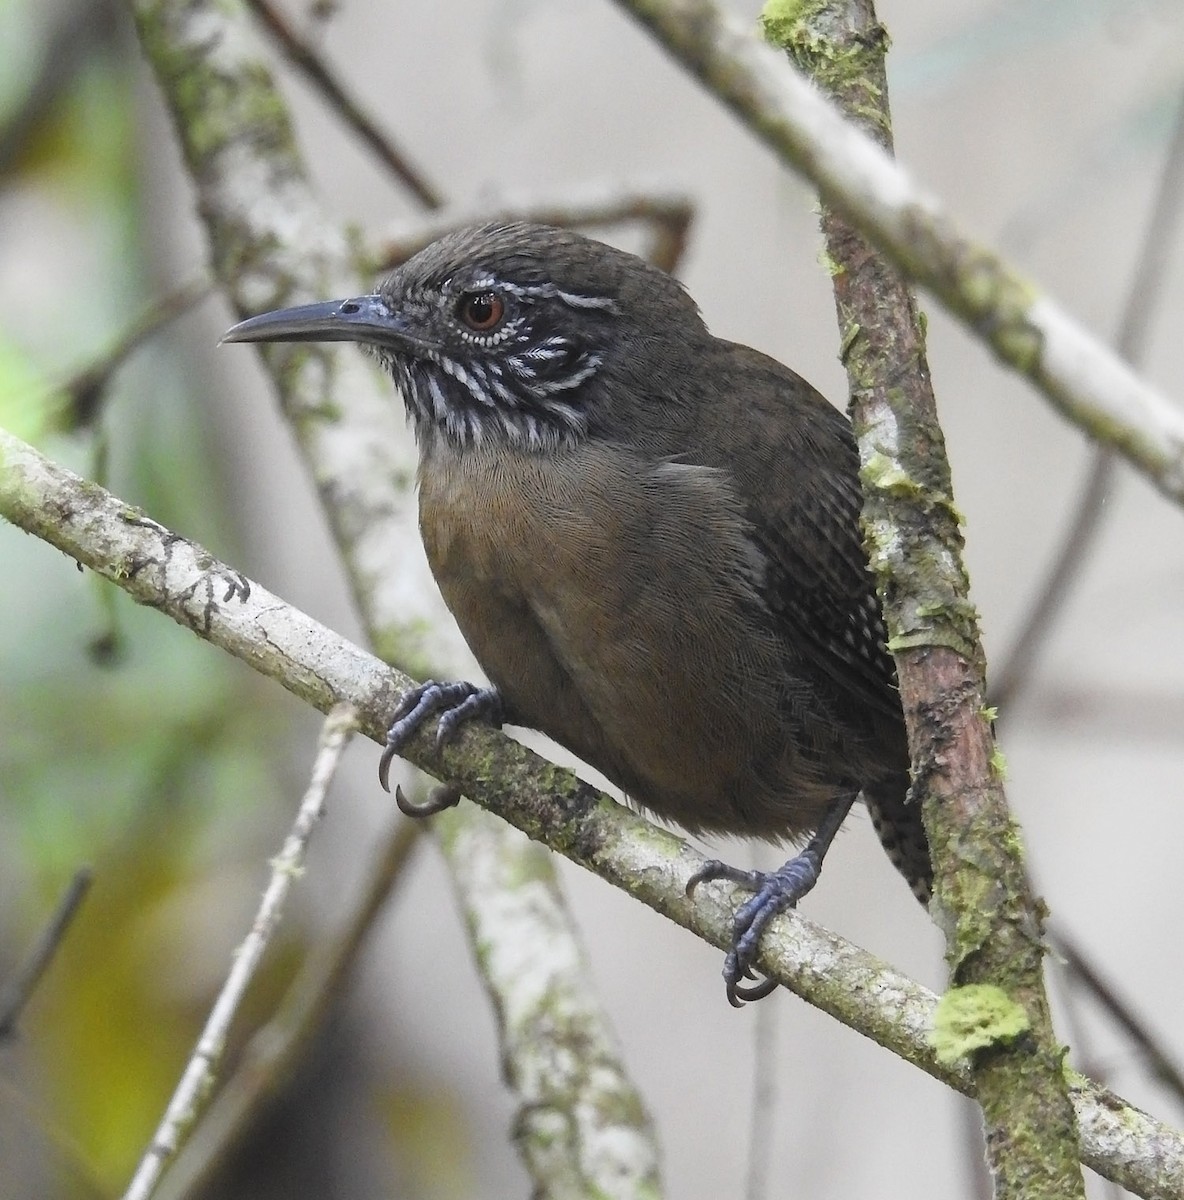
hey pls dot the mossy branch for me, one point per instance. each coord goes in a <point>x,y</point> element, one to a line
<point>992,922</point>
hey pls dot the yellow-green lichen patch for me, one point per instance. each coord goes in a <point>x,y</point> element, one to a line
<point>973,1018</point>
<point>998,764</point>
<point>850,67</point>
<point>780,19</point>
<point>884,474</point>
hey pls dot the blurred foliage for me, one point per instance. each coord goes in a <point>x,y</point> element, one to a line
<point>124,741</point>
<point>426,1125</point>
<point>30,406</point>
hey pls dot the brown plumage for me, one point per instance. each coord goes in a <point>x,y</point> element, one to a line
<point>649,537</point>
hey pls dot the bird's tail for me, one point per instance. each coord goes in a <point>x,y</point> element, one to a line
<point>897,820</point>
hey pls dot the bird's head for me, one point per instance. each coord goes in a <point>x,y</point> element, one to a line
<point>503,333</point>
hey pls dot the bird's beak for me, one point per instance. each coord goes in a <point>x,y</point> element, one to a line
<point>362,319</point>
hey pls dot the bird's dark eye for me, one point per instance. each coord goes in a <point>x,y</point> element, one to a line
<point>481,311</point>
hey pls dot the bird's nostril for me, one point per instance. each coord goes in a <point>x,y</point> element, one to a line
<point>350,307</point>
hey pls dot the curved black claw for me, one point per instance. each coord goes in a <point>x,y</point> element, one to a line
<point>455,702</point>
<point>773,893</point>
<point>445,796</point>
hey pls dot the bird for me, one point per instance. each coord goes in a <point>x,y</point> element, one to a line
<point>649,537</point>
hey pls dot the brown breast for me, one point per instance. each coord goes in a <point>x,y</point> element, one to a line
<point>612,602</point>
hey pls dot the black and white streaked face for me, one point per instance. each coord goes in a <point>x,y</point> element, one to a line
<point>501,351</point>
<point>493,334</point>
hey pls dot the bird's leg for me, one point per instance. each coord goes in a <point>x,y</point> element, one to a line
<point>773,893</point>
<point>456,703</point>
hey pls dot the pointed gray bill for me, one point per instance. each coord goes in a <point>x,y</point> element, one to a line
<point>361,319</point>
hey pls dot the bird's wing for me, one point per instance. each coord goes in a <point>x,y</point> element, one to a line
<point>793,460</point>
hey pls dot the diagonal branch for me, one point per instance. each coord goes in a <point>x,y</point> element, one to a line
<point>1029,331</point>
<point>313,67</point>
<point>15,993</point>
<point>181,579</point>
<point>667,215</point>
<point>271,1058</point>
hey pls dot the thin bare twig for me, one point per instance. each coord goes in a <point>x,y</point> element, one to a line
<point>310,64</point>
<point>762,1124</point>
<point>667,216</point>
<point>339,726</point>
<point>1143,299</point>
<point>273,1053</point>
<point>1130,714</point>
<point>1160,1063</point>
<point>85,389</point>
<point>16,992</point>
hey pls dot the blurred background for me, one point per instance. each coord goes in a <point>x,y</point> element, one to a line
<point>128,745</point>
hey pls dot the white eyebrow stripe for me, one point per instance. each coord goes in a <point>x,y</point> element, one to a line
<point>574,300</point>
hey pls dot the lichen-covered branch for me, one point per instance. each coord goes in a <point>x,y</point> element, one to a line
<point>581,1128</point>
<point>167,572</point>
<point>997,1011</point>
<point>1085,380</point>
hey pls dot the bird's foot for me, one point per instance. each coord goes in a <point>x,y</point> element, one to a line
<point>773,893</point>
<point>457,703</point>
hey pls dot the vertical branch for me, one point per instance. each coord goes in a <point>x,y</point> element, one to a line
<point>580,1125</point>
<point>996,1013</point>
<point>270,245</point>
